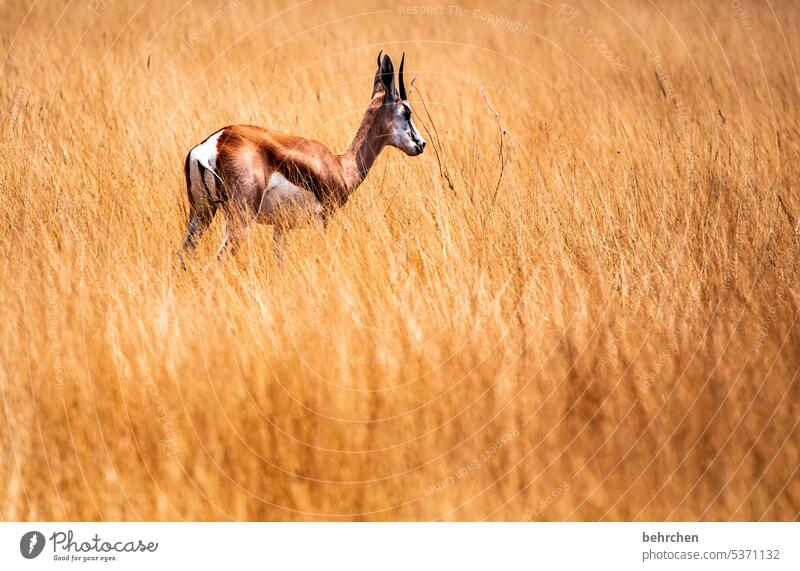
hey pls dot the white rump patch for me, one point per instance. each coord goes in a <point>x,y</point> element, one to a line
<point>206,152</point>
<point>205,155</point>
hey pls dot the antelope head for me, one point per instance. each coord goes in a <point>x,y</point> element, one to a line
<point>394,118</point>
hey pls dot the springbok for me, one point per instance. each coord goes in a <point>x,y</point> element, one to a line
<point>256,175</point>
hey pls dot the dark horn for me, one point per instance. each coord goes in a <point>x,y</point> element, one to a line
<point>403,95</point>
<point>380,53</point>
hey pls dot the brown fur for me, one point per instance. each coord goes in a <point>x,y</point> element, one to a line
<point>249,155</point>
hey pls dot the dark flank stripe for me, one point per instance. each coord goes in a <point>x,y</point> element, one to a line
<point>205,184</point>
<point>186,171</point>
<point>302,176</point>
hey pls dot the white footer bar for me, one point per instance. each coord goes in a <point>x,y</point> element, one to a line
<point>400,546</point>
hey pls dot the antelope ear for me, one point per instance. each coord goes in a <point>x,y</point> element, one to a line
<point>384,78</point>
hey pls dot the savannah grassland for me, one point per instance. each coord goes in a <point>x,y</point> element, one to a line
<point>591,316</point>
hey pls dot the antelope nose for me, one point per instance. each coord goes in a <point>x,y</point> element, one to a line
<point>422,145</point>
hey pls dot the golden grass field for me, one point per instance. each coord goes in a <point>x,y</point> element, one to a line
<point>605,330</point>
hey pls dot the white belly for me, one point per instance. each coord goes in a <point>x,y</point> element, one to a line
<point>286,204</point>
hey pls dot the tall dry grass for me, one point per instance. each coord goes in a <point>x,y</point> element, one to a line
<point>609,332</point>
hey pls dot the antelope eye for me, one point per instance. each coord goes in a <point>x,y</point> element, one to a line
<point>407,114</point>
